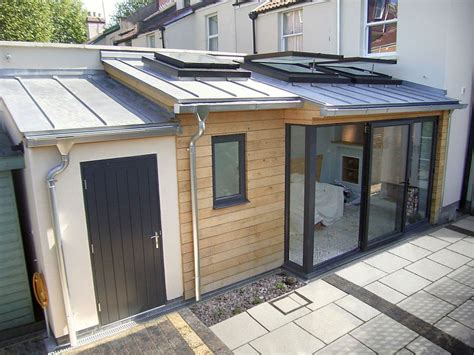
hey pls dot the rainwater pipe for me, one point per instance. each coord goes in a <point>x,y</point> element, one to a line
<point>201,114</point>
<point>64,149</point>
<point>338,27</point>
<point>253,16</point>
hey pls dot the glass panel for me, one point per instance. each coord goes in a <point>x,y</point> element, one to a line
<point>213,25</point>
<point>382,10</point>
<point>383,38</point>
<point>387,180</point>
<point>293,22</point>
<point>297,179</point>
<point>293,68</point>
<point>227,169</point>
<point>213,44</point>
<point>420,164</point>
<point>339,154</point>
<point>293,43</point>
<point>151,41</point>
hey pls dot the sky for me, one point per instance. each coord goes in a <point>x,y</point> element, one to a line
<point>96,6</point>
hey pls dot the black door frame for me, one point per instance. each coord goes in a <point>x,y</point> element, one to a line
<point>310,171</point>
<point>162,284</point>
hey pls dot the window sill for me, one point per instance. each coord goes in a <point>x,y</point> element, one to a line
<point>230,203</point>
<point>388,55</point>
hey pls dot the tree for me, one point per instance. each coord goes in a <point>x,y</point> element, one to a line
<point>69,21</point>
<point>25,20</point>
<point>61,21</point>
<point>128,7</point>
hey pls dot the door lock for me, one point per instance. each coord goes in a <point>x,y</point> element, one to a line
<point>156,237</point>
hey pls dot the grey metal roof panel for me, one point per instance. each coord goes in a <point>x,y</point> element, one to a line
<point>346,96</point>
<point>198,90</point>
<point>45,104</point>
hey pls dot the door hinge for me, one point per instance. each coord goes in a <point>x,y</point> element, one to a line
<point>85,184</point>
<point>92,248</point>
<point>98,307</point>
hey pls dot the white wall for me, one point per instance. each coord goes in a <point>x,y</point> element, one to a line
<point>74,228</point>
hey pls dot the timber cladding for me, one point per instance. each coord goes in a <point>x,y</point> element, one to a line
<point>240,241</point>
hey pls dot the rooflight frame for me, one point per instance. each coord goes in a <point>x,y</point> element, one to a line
<point>168,59</point>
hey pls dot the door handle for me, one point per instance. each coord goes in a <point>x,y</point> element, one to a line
<point>156,237</point>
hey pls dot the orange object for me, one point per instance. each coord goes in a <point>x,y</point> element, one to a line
<point>40,290</point>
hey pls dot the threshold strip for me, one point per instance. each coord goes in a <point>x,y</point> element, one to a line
<point>460,230</point>
<point>188,334</point>
<point>419,326</point>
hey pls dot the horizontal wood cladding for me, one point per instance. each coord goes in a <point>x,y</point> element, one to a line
<point>239,241</point>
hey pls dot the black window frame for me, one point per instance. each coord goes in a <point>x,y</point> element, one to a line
<point>241,197</point>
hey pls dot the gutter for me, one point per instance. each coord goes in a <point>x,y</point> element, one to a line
<point>64,150</point>
<point>162,34</point>
<point>332,112</point>
<point>201,114</point>
<point>239,106</point>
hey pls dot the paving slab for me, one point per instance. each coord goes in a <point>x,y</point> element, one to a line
<point>387,262</point>
<point>286,304</point>
<point>450,291</point>
<point>429,269</point>
<point>449,258</point>
<point>464,275</point>
<point>430,243</point>
<point>345,345</point>
<point>238,330</point>
<point>457,330</point>
<point>385,292</point>
<point>465,224</point>
<point>271,318</point>
<point>464,314</point>
<point>329,323</point>
<point>245,350</point>
<point>422,346</point>
<point>471,263</point>
<point>320,293</point>
<point>448,235</point>
<point>384,335</point>
<point>298,299</point>
<point>405,282</point>
<point>463,247</point>
<point>404,351</point>
<point>358,308</point>
<point>410,252</point>
<point>426,306</point>
<point>361,273</point>
<point>289,339</point>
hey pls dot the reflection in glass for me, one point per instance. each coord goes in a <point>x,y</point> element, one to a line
<point>383,38</point>
<point>227,167</point>
<point>337,190</point>
<point>420,167</point>
<point>387,180</point>
<point>297,178</point>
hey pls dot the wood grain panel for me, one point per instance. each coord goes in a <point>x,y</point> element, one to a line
<point>237,241</point>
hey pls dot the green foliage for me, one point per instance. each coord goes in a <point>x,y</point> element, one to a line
<point>43,21</point>
<point>69,21</point>
<point>125,8</point>
<point>25,20</point>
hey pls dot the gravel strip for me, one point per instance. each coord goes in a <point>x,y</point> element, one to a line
<point>219,308</point>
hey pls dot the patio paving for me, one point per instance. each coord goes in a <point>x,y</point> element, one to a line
<point>413,298</point>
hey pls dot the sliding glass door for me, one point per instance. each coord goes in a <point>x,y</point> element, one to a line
<point>387,180</point>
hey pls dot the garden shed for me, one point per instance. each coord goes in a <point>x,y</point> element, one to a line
<point>15,296</point>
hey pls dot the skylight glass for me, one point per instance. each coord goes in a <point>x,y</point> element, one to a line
<point>196,60</point>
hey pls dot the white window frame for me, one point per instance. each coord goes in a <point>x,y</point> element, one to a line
<point>283,36</point>
<point>367,26</point>
<point>208,35</point>
<point>148,37</point>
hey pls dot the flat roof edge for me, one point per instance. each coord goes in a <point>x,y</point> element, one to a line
<point>51,138</point>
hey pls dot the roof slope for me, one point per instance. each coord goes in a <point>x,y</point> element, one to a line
<point>271,5</point>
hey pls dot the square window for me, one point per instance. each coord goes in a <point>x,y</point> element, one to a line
<point>228,170</point>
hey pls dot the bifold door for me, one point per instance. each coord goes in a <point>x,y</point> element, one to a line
<point>123,215</point>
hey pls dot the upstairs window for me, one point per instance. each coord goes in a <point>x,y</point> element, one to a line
<point>212,33</point>
<point>292,37</point>
<point>381,29</point>
<point>228,170</point>
<point>150,39</point>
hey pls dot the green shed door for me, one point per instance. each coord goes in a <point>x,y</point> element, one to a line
<point>15,298</point>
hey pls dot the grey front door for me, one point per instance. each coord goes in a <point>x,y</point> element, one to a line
<point>124,224</point>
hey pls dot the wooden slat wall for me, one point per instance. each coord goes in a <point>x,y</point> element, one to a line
<point>15,300</point>
<point>240,241</point>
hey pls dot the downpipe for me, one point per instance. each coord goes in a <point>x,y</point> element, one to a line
<point>201,114</point>
<point>51,183</point>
